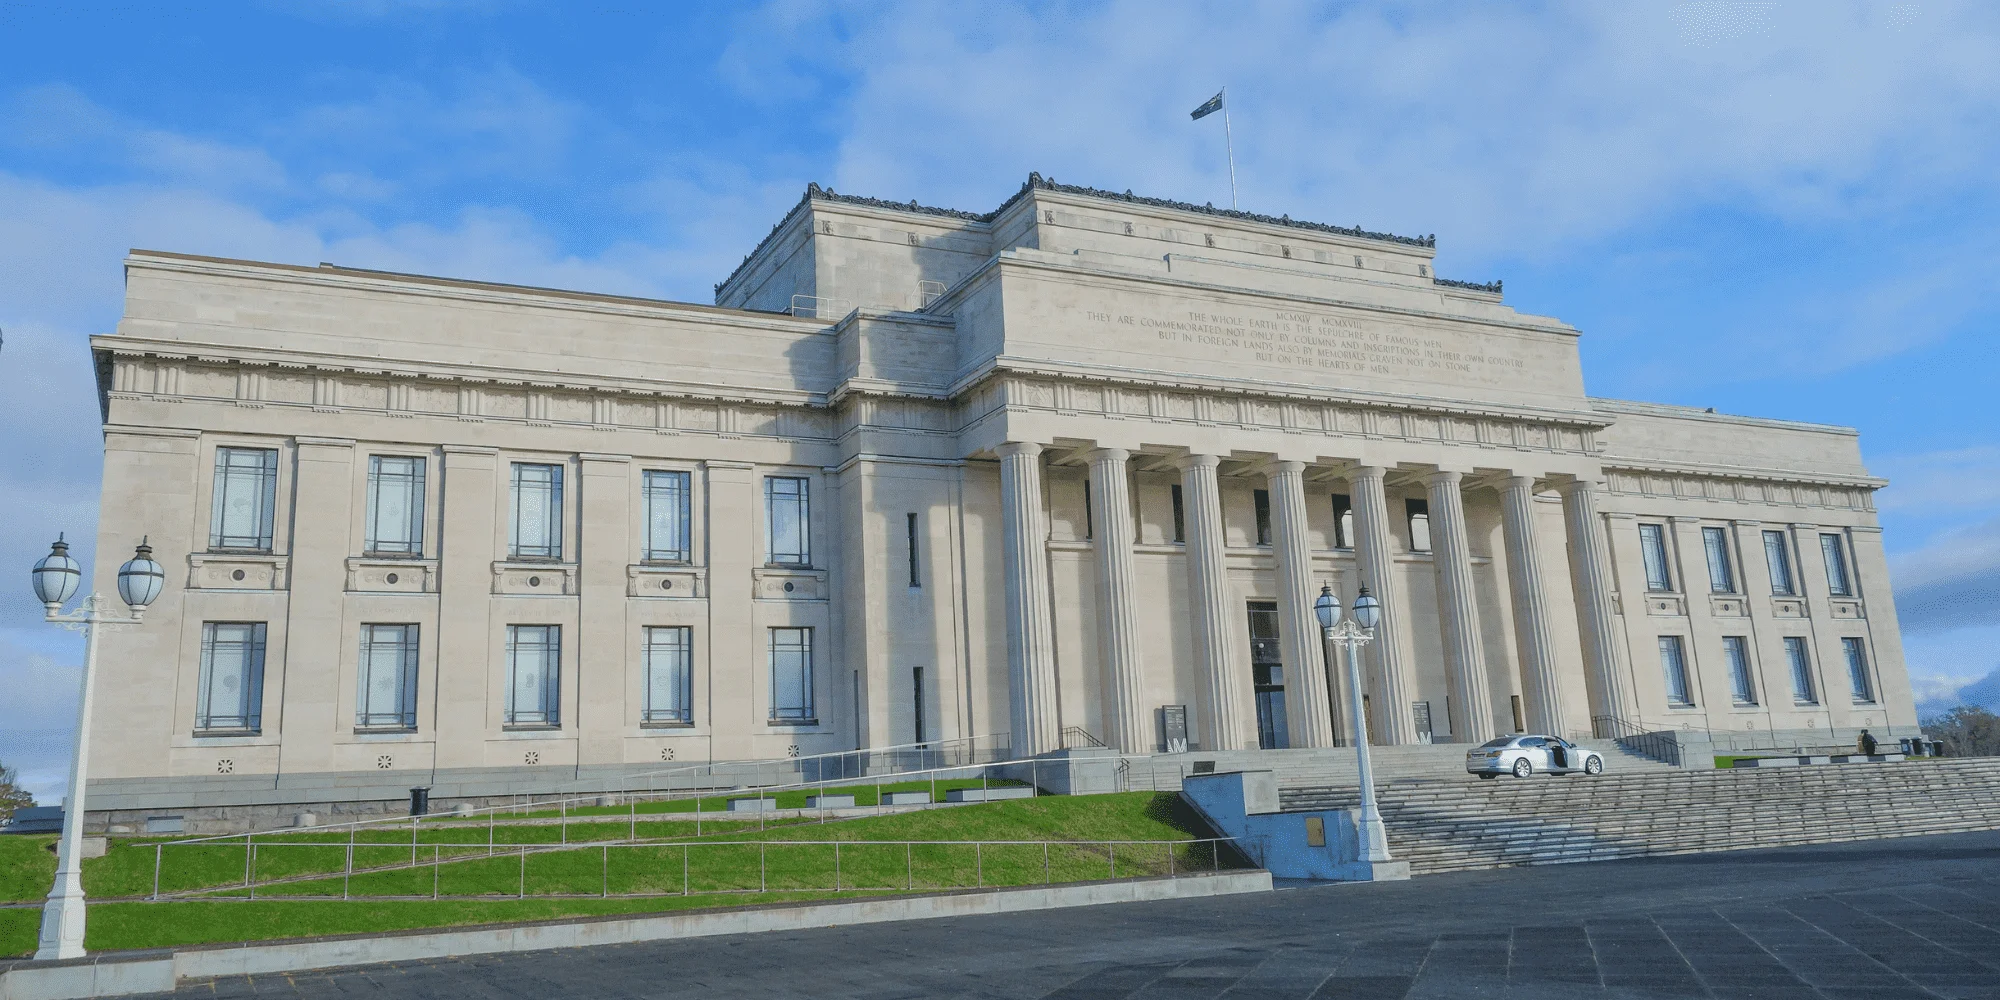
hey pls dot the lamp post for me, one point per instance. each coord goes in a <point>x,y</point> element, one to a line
<point>56,578</point>
<point>1354,632</point>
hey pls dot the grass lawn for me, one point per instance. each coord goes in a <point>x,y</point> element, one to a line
<point>728,861</point>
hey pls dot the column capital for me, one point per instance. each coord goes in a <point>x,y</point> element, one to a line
<point>1518,482</point>
<point>1281,466</point>
<point>1195,460</point>
<point>1118,455</point>
<point>1359,472</point>
<point>1013,448</point>
<point>1583,484</point>
<point>1443,477</point>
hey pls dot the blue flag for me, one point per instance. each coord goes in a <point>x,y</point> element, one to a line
<point>1209,107</point>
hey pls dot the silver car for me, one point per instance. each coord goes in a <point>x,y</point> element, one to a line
<point>1523,755</point>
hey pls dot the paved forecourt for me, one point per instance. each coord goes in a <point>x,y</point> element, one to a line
<point>1915,917</point>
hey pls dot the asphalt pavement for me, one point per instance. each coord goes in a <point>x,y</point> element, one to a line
<point>1878,920</point>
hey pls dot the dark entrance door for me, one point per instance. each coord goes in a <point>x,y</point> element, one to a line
<point>1267,670</point>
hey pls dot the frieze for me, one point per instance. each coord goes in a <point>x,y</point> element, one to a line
<point>1739,489</point>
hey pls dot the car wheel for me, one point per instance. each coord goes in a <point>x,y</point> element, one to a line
<point>1593,766</point>
<point>1522,768</point>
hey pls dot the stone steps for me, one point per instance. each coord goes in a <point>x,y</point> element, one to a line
<point>1467,824</point>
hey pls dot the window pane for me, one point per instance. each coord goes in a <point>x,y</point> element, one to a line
<point>388,684</point>
<point>1653,547</point>
<point>1801,664</point>
<point>669,675</point>
<point>534,658</point>
<point>246,498</point>
<point>791,675</point>
<point>1737,649</point>
<point>1261,499</point>
<point>230,693</point>
<point>1837,582</point>
<point>667,503</point>
<point>395,504</point>
<point>1180,516</point>
<point>1343,521</point>
<point>1675,666</point>
<point>785,504</point>
<point>1857,669</point>
<point>1715,542</point>
<point>537,528</point>
<point>1779,557</point>
<point>1420,524</point>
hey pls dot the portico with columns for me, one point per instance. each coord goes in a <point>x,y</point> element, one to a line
<point>1049,475</point>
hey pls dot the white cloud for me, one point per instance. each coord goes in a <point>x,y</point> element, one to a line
<point>1951,583</point>
<point>1957,479</point>
<point>38,717</point>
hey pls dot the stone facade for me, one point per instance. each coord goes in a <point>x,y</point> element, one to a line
<point>1067,463</point>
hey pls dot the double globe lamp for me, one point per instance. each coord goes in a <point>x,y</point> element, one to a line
<point>1353,633</point>
<point>57,577</point>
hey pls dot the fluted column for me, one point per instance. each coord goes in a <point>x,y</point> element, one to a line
<point>1590,565</point>
<point>1308,718</point>
<point>1394,683</point>
<point>1126,717</point>
<point>1228,725</point>
<point>1531,607</point>
<point>1031,647</point>
<point>1458,607</point>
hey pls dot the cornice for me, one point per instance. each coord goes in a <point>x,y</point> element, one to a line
<point>1742,472</point>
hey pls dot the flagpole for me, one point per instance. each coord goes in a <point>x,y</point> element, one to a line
<point>1229,144</point>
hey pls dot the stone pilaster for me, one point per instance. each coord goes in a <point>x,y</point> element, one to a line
<point>469,668</point>
<point>1307,714</point>
<point>1031,659</point>
<point>1590,567</point>
<point>1126,716</point>
<point>1458,611</point>
<point>1394,681</point>
<point>1531,607</point>
<point>308,686</point>
<point>1229,725</point>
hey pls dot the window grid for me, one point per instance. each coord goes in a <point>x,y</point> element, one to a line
<point>387,694</point>
<point>395,505</point>
<point>537,529</point>
<point>1673,662</point>
<point>1857,670</point>
<point>1778,556</point>
<point>1653,548</point>
<point>788,520</point>
<point>668,535</point>
<point>669,676</point>
<point>230,691</point>
<point>244,507</point>
<point>1838,583</point>
<point>534,676</point>
<point>1800,659</point>
<point>1721,575</point>
<point>791,676</point>
<point>1742,686</point>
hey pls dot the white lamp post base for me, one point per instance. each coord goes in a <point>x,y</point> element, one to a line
<point>62,922</point>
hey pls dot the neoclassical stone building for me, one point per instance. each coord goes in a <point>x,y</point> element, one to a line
<point>1078,463</point>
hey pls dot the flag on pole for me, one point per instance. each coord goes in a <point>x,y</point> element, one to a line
<point>1208,107</point>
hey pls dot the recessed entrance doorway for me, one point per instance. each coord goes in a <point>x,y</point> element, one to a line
<point>1267,669</point>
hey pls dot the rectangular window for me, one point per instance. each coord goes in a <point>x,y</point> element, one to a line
<point>1673,662</point>
<point>791,676</point>
<point>1838,583</point>
<point>667,517</point>
<point>1420,524</point>
<point>1089,515</point>
<point>245,505</point>
<point>788,516</point>
<point>1343,521</point>
<point>229,697</point>
<point>1721,575</point>
<point>534,676</point>
<point>1180,516</point>
<point>395,505</point>
<point>1857,670</point>
<point>1779,557</point>
<point>387,696</point>
<point>1742,688</point>
<point>537,528</point>
<point>1800,660</point>
<point>1653,548</point>
<point>917,694</point>
<point>916,578</point>
<point>1262,500</point>
<point>669,676</point>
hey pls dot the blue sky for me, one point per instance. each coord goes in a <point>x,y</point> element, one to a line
<point>1780,209</point>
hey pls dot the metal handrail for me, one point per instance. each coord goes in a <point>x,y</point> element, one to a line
<point>1660,745</point>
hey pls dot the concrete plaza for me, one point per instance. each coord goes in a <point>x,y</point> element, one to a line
<point>1916,917</point>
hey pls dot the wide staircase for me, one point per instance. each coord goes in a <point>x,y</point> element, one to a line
<point>1334,767</point>
<point>1454,825</point>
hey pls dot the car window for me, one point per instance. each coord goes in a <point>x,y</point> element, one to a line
<point>1534,741</point>
<point>1497,744</point>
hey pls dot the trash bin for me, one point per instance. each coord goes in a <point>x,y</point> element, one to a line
<point>1908,750</point>
<point>420,801</point>
<point>1937,748</point>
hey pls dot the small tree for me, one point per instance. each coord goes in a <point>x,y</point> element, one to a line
<point>1966,731</point>
<point>12,796</point>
